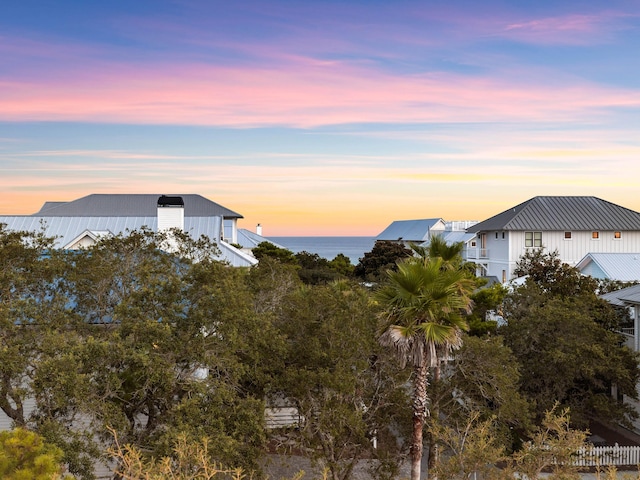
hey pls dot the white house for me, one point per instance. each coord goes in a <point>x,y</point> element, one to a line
<point>81,222</point>
<point>572,226</point>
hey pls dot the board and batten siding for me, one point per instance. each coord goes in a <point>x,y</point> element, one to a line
<point>574,249</point>
<point>504,253</point>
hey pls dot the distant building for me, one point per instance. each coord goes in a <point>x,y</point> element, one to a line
<point>81,222</point>
<point>412,231</point>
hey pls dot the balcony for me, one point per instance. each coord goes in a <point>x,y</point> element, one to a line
<point>477,253</point>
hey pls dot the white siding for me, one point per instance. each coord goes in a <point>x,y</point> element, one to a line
<point>505,253</point>
<point>170,217</point>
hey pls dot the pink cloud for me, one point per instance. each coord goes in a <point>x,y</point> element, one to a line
<point>300,93</point>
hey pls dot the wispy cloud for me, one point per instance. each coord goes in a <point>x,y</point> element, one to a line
<point>574,29</point>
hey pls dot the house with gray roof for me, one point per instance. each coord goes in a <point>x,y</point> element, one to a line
<point>412,231</point>
<point>81,222</point>
<point>572,226</point>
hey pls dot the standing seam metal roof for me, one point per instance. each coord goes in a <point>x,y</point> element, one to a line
<point>132,205</point>
<point>408,230</point>
<point>562,213</point>
<point>615,265</point>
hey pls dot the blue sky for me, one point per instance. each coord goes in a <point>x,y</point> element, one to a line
<point>321,118</point>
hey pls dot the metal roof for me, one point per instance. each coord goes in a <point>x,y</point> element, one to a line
<point>409,230</point>
<point>457,236</point>
<point>249,239</point>
<point>562,213</point>
<point>624,296</point>
<point>131,205</point>
<point>615,266</point>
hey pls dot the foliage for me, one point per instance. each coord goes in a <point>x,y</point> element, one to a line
<point>189,460</point>
<point>339,379</point>
<point>586,360</point>
<point>556,323</point>
<point>486,299</point>
<point>315,270</point>
<point>551,448</point>
<point>472,448</point>
<point>311,267</point>
<point>268,249</point>
<point>342,264</point>
<point>483,385</point>
<point>552,276</point>
<point>24,455</point>
<point>382,257</point>
<point>173,322</point>
<point>128,336</point>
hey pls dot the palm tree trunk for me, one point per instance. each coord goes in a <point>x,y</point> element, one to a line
<point>434,450</point>
<point>419,413</point>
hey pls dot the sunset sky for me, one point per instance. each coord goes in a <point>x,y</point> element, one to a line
<point>330,117</point>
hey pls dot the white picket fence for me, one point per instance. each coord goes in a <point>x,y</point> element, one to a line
<point>612,455</point>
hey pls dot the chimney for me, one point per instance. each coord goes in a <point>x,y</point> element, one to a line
<point>259,229</point>
<point>170,213</point>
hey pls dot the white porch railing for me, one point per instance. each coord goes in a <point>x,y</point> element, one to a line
<point>477,253</point>
<point>613,455</point>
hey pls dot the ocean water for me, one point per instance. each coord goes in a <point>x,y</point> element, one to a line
<point>328,247</point>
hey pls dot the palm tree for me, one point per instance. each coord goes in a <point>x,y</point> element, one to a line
<point>423,301</point>
<point>451,254</point>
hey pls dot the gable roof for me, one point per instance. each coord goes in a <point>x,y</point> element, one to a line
<point>131,205</point>
<point>614,266</point>
<point>409,230</point>
<point>562,213</point>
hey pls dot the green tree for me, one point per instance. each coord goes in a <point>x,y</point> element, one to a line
<point>484,385</point>
<point>342,264</point>
<point>314,269</point>
<point>268,249</point>
<point>556,323</point>
<point>422,322</point>
<point>40,335</point>
<point>169,351</point>
<point>340,380</point>
<point>485,300</point>
<point>382,257</point>
<point>566,357</point>
<point>24,455</point>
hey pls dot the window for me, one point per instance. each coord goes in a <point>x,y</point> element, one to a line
<point>503,235</point>
<point>496,235</point>
<point>533,239</point>
<point>567,235</point>
<point>595,235</point>
<point>473,243</point>
<point>617,234</point>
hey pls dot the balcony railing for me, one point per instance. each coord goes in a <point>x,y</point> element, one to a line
<point>477,253</point>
